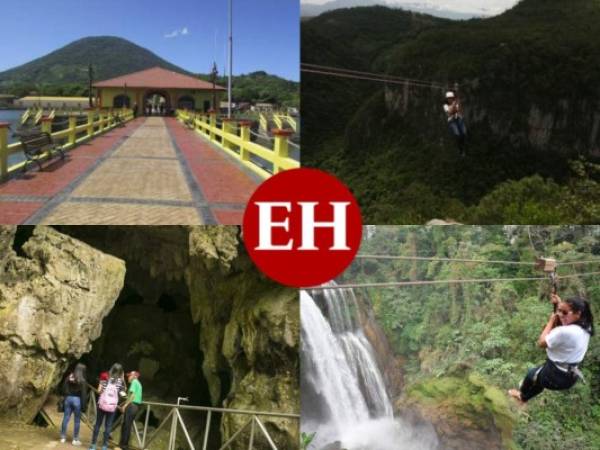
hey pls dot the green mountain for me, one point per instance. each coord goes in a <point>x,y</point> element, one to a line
<point>263,88</point>
<point>65,72</point>
<point>529,81</point>
<point>110,57</point>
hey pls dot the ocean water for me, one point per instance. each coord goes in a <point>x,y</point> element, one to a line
<point>12,116</point>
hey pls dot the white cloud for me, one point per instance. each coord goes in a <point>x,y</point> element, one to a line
<point>179,32</point>
<point>487,7</point>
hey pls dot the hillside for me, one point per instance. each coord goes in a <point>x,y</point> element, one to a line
<point>315,9</point>
<point>530,96</point>
<point>65,72</point>
<point>262,87</point>
<point>110,56</point>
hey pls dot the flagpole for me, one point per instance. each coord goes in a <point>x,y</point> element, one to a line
<point>230,58</point>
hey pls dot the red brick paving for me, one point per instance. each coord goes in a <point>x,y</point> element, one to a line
<point>56,174</point>
<point>14,213</point>
<point>221,180</point>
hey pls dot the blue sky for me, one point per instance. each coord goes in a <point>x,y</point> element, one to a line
<point>188,33</point>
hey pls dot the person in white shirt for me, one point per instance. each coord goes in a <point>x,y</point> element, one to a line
<point>456,124</point>
<point>565,337</point>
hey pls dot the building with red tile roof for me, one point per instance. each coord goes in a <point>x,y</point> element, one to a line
<point>157,86</point>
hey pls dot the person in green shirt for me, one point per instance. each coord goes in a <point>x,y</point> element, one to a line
<point>130,408</point>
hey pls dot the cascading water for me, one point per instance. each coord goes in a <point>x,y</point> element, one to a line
<point>343,394</point>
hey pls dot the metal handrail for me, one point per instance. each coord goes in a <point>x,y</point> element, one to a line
<point>177,420</point>
<point>145,438</point>
<point>225,410</point>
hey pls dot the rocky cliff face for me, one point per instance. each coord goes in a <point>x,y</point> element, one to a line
<point>389,365</point>
<point>52,302</point>
<point>252,332</point>
<point>464,410</point>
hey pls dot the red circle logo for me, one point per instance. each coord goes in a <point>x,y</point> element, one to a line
<point>302,227</point>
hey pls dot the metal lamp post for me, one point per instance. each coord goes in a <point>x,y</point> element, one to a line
<point>90,80</point>
<point>230,58</point>
<point>213,77</point>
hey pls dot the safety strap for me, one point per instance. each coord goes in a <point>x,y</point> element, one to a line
<point>570,368</point>
<point>537,372</point>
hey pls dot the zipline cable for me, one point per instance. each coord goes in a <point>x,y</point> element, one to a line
<point>574,263</point>
<point>481,261</point>
<point>380,75</point>
<point>377,78</point>
<point>431,282</point>
<point>433,258</point>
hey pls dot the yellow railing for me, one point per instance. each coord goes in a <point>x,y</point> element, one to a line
<point>236,142</point>
<point>25,115</point>
<point>39,116</point>
<point>279,119</point>
<point>92,127</point>
<point>292,122</point>
<point>263,122</point>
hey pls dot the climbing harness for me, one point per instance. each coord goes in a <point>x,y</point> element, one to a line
<point>572,369</point>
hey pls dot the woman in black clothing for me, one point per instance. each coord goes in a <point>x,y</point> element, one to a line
<point>566,339</point>
<point>75,392</point>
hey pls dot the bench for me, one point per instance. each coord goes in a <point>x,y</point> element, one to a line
<point>36,144</point>
<point>189,123</point>
<point>118,120</point>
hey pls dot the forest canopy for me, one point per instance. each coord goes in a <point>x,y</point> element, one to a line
<point>451,336</point>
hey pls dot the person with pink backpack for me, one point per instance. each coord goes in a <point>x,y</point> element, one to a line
<point>110,392</point>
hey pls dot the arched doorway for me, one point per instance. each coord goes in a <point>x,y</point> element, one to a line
<point>121,101</point>
<point>186,102</point>
<point>157,103</point>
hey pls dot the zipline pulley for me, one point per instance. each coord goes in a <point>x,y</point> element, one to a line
<point>548,265</point>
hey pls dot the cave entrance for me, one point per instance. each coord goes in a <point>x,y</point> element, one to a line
<point>150,329</point>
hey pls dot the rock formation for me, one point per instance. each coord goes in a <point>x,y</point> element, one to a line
<point>52,302</point>
<point>254,328</point>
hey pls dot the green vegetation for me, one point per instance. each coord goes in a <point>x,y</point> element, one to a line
<point>306,439</point>
<point>528,93</point>
<point>260,87</point>
<point>464,345</point>
<point>469,398</point>
<point>65,72</point>
<point>68,66</point>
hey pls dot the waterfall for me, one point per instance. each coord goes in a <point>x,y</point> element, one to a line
<point>343,393</point>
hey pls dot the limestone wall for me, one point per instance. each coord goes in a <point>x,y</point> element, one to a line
<point>52,302</point>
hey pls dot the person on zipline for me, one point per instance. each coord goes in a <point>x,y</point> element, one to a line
<point>565,337</point>
<point>456,124</point>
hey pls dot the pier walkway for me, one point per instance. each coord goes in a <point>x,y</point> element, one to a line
<point>152,171</point>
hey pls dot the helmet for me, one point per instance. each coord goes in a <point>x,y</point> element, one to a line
<point>449,94</point>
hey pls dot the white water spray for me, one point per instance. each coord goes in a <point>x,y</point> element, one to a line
<point>343,392</point>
